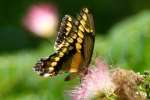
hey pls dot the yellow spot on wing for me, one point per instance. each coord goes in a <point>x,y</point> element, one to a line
<point>70,40</point>
<point>57,58</point>
<point>66,44</point>
<point>61,54</point>
<point>83,22</point>
<point>80,34</point>
<point>69,18</point>
<point>79,40</point>
<point>53,64</point>
<point>64,50</point>
<point>87,30</point>
<point>78,46</point>
<point>69,24</point>
<point>84,17</point>
<point>51,69</point>
<point>68,29</point>
<point>74,35</point>
<point>81,28</point>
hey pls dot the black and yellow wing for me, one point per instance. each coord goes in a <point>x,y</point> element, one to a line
<point>64,30</point>
<point>84,44</point>
<point>52,65</point>
<point>73,47</point>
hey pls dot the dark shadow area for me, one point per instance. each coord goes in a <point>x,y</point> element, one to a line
<point>106,13</point>
<point>13,39</point>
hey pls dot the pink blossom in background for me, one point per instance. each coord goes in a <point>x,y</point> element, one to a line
<point>41,19</point>
<point>98,80</point>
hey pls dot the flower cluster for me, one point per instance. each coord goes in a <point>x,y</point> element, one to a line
<point>96,83</point>
<point>102,83</point>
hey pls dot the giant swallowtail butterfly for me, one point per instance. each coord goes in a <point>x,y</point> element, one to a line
<point>73,47</point>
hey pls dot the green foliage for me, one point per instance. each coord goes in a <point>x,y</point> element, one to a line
<point>128,43</point>
<point>19,82</point>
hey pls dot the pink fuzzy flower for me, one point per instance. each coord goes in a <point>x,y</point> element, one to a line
<point>96,82</point>
<point>41,19</point>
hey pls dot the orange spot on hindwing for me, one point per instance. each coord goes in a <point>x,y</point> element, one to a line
<point>76,63</point>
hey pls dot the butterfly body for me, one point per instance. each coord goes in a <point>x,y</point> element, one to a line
<point>73,47</point>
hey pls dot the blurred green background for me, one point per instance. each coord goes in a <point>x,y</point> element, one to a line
<point>122,39</point>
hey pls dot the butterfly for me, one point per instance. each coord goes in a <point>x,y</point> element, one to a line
<point>73,47</point>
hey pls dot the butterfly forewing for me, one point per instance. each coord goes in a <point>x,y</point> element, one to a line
<point>86,28</point>
<point>88,44</point>
<point>64,30</point>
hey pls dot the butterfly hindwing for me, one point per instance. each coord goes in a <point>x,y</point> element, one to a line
<point>53,64</point>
